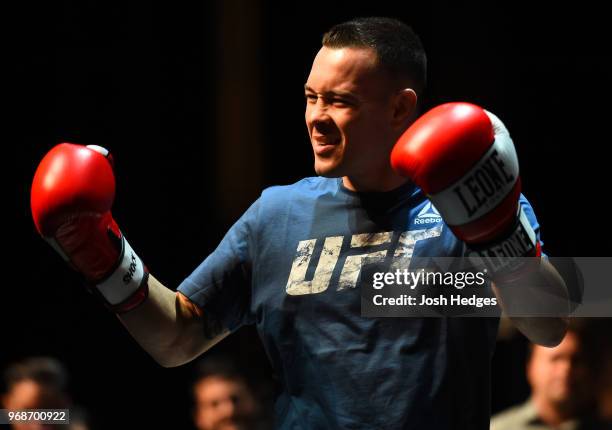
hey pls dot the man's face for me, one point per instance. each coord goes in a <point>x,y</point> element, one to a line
<point>223,404</point>
<point>28,394</point>
<point>558,375</point>
<point>349,112</point>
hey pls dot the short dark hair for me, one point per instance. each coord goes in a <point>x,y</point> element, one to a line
<point>220,366</point>
<point>398,48</point>
<point>45,371</point>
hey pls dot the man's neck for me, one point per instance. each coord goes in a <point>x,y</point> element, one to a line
<point>378,183</point>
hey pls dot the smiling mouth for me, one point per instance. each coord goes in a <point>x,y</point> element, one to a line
<point>321,140</point>
<point>324,146</point>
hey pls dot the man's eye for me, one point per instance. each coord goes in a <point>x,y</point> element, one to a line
<point>341,102</point>
<point>311,98</point>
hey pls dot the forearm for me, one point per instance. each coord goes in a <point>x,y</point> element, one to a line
<point>538,304</point>
<point>170,328</point>
<point>72,211</point>
<point>545,331</point>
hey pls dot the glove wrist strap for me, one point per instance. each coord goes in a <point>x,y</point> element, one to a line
<point>126,287</point>
<point>511,257</point>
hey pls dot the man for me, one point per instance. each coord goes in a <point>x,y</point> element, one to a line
<point>292,263</point>
<point>39,383</point>
<point>562,389</point>
<point>223,398</point>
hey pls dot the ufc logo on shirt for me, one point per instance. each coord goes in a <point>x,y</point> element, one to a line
<point>359,254</point>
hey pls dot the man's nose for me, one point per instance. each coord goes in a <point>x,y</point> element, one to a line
<point>322,122</point>
<point>318,113</point>
<point>228,408</point>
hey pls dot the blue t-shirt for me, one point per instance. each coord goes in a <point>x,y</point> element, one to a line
<point>291,265</point>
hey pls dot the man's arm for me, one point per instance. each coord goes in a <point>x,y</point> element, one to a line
<point>171,328</point>
<point>542,292</point>
<point>72,194</point>
<point>464,159</point>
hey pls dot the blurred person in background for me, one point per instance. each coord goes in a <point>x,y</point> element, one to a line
<point>599,336</point>
<point>225,398</point>
<point>40,383</point>
<point>562,384</point>
<point>604,381</point>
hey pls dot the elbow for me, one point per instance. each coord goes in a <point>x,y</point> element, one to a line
<point>165,357</point>
<point>169,363</point>
<point>544,331</point>
<point>166,360</point>
<point>555,332</point>
<point>183,350</point>
<point>174,355</point>
<point>550,340</point>
<point>169,359</point>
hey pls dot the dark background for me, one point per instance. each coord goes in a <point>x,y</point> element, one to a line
<point>143,80</point>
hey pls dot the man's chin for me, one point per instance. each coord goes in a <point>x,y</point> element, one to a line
<point>327,171</point>
<point>329,175</point>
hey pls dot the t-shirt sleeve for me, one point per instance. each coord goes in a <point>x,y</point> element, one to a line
<point>221,284</point>
<point>531,217</point>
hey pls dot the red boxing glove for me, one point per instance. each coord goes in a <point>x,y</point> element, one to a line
<point>463,158</point>
<point>72,194</point>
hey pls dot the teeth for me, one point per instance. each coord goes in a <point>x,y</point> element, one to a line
<point>326,141</point>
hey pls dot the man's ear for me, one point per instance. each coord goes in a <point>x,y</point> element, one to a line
<point>404,107</point>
